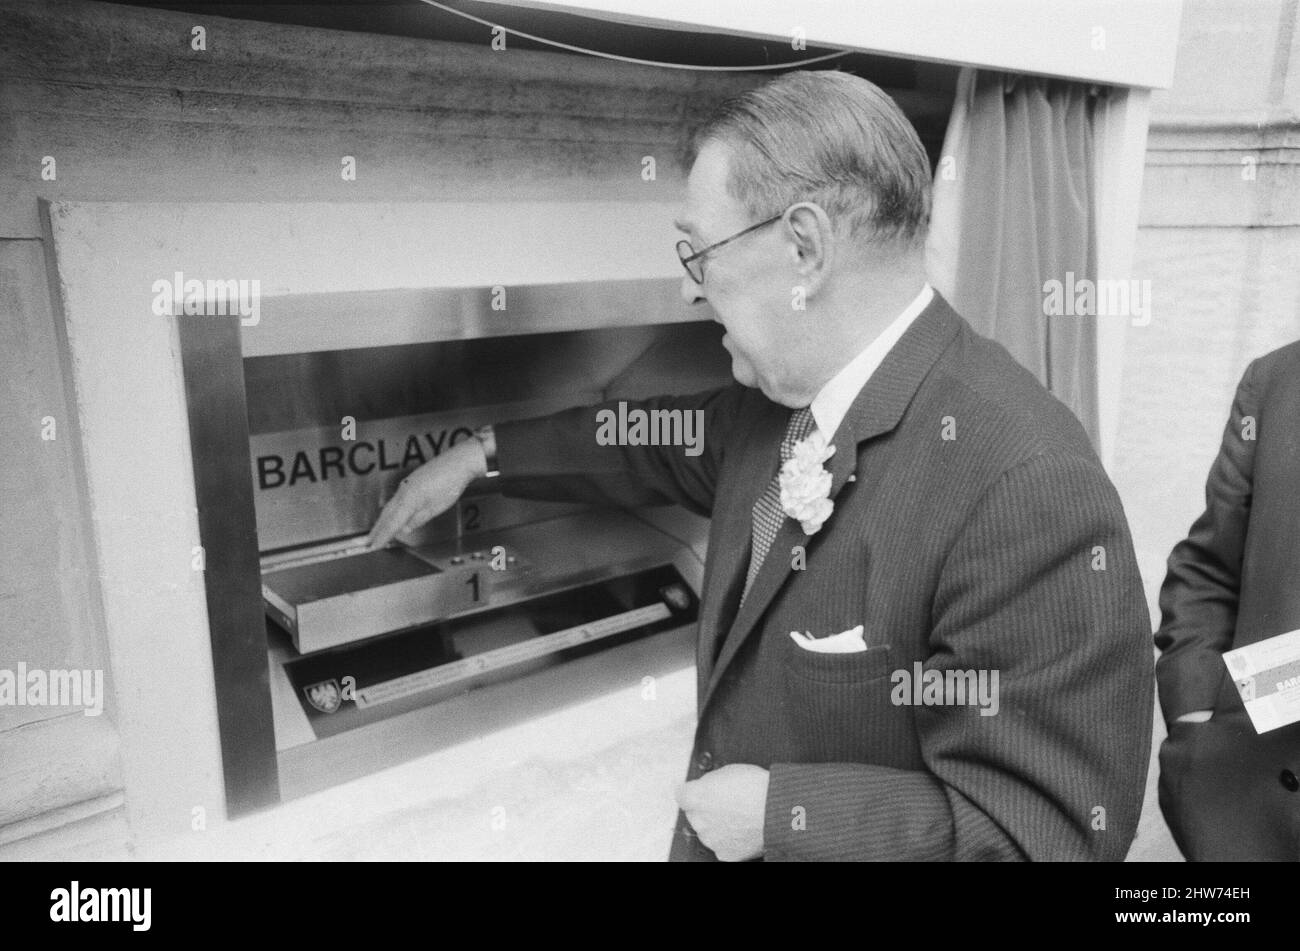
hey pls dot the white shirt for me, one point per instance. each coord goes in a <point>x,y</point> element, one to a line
<point>834,399</point>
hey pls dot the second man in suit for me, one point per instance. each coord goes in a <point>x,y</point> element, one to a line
<point>1227,792</point>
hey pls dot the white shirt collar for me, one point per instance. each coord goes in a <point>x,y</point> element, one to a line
<point>831,404</point>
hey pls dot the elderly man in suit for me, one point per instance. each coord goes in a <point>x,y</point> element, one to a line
<point>1227,792</point>
<point>902,519</point>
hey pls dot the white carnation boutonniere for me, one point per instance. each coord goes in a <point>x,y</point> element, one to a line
<point>806,485</point>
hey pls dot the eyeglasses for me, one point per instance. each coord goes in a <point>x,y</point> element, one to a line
<point>692,260</point>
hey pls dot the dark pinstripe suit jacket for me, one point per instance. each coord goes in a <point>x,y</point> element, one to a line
<point>1228,793</point>
<point>1004,548</point>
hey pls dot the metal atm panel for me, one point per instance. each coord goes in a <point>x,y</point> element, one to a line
<point>492,590</point>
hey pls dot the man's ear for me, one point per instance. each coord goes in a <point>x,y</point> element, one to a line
<point>812,242</point>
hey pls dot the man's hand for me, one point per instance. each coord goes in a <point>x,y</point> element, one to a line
<point>430,490</point>
<point>726,809</point>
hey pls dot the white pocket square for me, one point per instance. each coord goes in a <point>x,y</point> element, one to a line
<point>845,642</point>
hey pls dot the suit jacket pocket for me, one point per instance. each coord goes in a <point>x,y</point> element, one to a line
<point>854,667</point>
<point>840,709</point>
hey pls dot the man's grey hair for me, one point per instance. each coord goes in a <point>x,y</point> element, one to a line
<point>831,138</point>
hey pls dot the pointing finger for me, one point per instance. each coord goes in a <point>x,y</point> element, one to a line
<point>391,520</point>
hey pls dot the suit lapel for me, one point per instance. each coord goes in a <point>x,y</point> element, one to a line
<point>876,410</point>
<point>728,558</point>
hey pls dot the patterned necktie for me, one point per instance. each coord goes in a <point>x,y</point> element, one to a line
<point>768,514</point>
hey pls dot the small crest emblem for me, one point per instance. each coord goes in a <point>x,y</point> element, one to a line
<point>324,696</point>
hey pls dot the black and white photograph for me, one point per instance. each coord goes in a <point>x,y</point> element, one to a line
<point>629,431</point>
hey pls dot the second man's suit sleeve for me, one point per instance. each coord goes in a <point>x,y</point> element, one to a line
<point>1198,601</point>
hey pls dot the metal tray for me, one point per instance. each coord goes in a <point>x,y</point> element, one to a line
<point>340,593</point>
